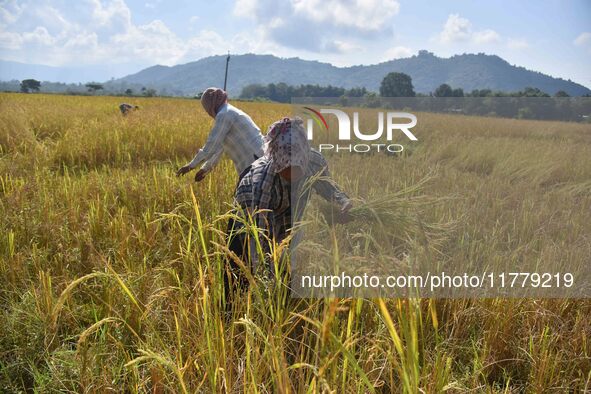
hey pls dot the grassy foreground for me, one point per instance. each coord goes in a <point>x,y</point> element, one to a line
<point>110,264</point>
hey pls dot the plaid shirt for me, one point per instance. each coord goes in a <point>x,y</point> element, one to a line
<point>262,189</point>
<point>236,134</point>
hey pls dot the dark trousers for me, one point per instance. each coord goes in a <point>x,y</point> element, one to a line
<point>234,278</point>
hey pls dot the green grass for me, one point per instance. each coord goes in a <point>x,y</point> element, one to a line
<point>110,264</point>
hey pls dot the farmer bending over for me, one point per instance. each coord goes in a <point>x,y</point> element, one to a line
<point>269,184</point>
<point>126,108</point>
<point>233,132</point>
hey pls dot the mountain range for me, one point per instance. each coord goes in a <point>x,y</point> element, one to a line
<point>467,71</point>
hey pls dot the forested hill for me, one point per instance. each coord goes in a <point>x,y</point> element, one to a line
<point>467,71</point>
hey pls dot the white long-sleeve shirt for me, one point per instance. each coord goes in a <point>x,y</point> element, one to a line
<point>236,134</point>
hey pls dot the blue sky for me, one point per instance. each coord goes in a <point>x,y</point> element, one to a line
<point>553,37</point>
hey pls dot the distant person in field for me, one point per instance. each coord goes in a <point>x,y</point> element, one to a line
<point>127,108</point>
<point>234,132</point>
<point>269,183</point>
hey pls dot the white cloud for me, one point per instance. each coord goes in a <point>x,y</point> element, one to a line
<point>363,15</point>
<point>319,26</point>
<point>52,19</point>
<point>9,12</point>
<point>38,36</point>
<point>83,40</point>
<point>517,43</point>
<point>458,29</point>
<point>205,43</point>
<point>339,46</point>
<point>583,39</point>
<point>486,36</point>
<point>152,4</point>
<point>114,13</point>
<point>11,41</point>
<point>455,29</point>
<point>102,32</point>
<point>153,40</point>
<point>398,52</point>
<point>245,8</point>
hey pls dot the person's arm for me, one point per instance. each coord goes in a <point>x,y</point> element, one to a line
<point>213,148</point>
<point>325,186</point>
<point>212,161</point>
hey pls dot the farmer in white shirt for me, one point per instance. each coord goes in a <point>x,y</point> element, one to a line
<point>234,132</point>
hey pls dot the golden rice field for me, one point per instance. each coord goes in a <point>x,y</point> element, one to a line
<point>110,264</point>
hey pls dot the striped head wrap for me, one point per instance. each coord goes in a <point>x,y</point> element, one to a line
<point>286,144</point>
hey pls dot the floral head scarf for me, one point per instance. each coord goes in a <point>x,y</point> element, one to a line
<point>286,144</point>
<point>212,99</point>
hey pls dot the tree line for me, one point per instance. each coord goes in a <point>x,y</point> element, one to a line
<point>283,93</point>
<point>529,103</point>
<point>400,85</point>
<point>396,89</point>
<point>34,86</point>
<point>394,84</point>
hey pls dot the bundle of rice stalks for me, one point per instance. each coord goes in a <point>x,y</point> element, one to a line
<point>400,214</point>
